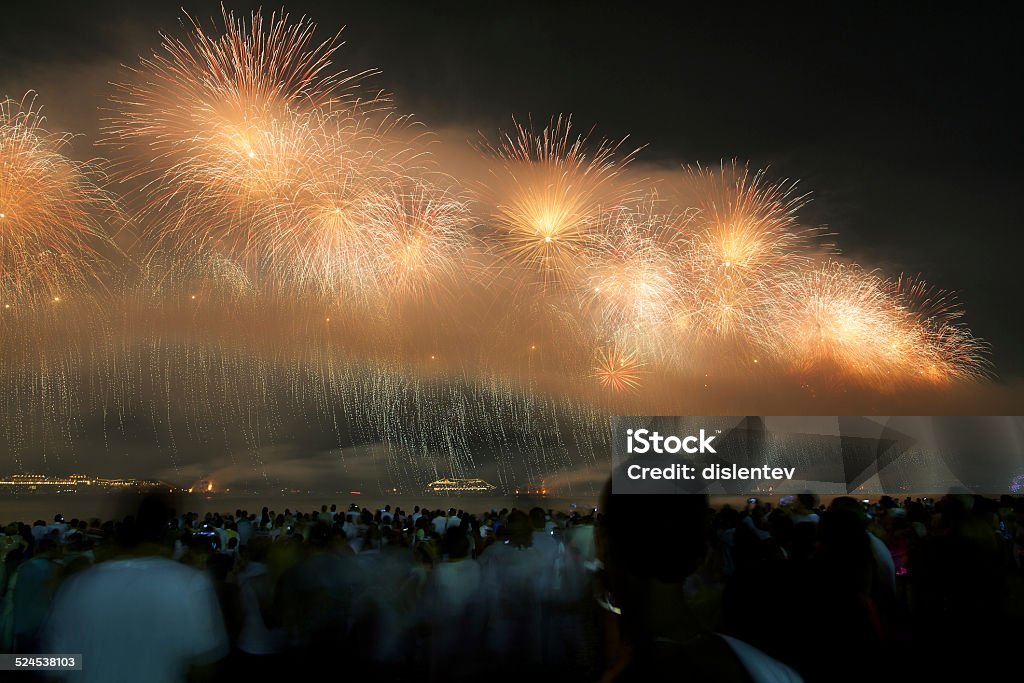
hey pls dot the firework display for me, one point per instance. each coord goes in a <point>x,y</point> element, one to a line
<point>301,256</point>
<point>53,214</point>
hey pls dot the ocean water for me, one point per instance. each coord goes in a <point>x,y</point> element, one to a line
<point>30,507</point>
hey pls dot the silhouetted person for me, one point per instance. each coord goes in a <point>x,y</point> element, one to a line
<point>650,628</point>
<point>142,616</point>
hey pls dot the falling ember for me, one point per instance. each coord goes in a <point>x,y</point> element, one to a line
<point>618,371</point>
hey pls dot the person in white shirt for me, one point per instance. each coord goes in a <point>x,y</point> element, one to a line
<point>60,526</point>
<point>245,531</point>
<point>454,603</point>
<point>40,530</point>
<point>803,511</point>
<point>255,593</point>
<point>453,519</point>
<point>139,618</point>
<point>440,524</point>
<point>516,581</point>
<point>544,541</point>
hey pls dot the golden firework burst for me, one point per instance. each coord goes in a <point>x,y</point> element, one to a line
<point>619,371</point>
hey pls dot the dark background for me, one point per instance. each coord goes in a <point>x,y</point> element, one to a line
<point>903,119</point>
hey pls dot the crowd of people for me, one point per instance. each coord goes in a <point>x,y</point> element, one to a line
<point>638,588</point>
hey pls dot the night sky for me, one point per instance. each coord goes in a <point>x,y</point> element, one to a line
<point>903,120</point>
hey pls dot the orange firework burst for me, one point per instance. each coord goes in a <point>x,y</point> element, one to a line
<point>52,212</point>
<point>839,317</point>
<point>423,234</point>
<point>322,238</point>
<point>631,278</point>
<point>746,242</point>
<point>618,370</point>
<point>232,127</point>
<point>549,193</point>
<point>223,88</point>
<point>948,350</point>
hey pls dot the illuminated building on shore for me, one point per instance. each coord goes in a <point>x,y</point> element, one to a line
<point>77,483</point>
<point>453,485</point>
